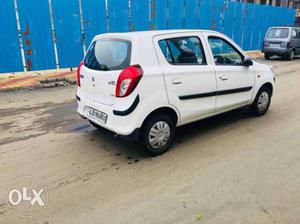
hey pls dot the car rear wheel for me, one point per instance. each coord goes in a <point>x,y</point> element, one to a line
<point>158,134</point>
<point>262,102</point>
<point>290,56</point>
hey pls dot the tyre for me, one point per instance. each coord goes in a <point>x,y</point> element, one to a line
<point>158,134</point>
<point>267,56</point>
<point>290,56</point>
<point>262,102</point>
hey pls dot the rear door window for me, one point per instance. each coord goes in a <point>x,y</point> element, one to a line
<point>278,33</point>
<point>108,55</point>
<point>183,51</point>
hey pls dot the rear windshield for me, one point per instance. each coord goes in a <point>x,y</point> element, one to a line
<point>278,33</point>
<point>108,55</point>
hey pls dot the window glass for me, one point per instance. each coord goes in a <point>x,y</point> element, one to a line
<point>278,33</point>
<point>108,54</point>
<point>183,51</point>
<point>296,33</point>
<point>224,53</point>
<point>164,48</point>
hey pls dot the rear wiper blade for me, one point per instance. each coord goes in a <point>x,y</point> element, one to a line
<point>104,67</point>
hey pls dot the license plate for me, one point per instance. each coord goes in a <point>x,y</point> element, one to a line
<point>275,45</point>
<point>97,115</point>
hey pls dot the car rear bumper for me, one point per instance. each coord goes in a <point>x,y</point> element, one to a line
<point>119,121</point>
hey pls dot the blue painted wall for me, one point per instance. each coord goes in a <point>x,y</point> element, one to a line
<point>36,32</point>
<point>138,22</point>
<point>244,23</point>
<point>118,16</point>
<point>10,54</point>
<point>66,18</point>
<point>94,18</point>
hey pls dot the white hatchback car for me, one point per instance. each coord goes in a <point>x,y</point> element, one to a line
<point>145,84</point>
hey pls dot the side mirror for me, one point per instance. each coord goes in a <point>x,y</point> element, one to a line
<point>247,62</point>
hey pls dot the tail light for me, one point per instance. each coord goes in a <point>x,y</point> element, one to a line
<point>128,80</point>
<point>78,73</point>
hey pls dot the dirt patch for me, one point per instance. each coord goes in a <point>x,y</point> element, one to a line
<point>58,118</point>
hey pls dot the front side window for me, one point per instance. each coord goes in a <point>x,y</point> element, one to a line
<point>296,33</point>
<point>183,51</point>
<point>108,54</point>
<point>278,33</point>
<point>224,53</point>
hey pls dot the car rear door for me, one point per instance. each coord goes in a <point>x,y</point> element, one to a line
<point>189,75</point>
<point>235,82</point>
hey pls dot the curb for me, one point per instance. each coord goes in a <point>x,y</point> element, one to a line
<point>31,81</point>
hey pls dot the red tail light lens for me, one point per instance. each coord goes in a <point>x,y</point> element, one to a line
<point>78,73</point>
<point>128,80</point>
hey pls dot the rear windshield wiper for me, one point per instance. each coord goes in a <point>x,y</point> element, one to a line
<point>104,67</point>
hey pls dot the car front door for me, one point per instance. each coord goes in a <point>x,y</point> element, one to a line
<point>235,81</point>
<point>189,74</point>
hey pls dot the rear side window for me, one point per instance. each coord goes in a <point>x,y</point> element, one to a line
<point>183,51</point>
<point>278,33</point>
<point>108,55</point>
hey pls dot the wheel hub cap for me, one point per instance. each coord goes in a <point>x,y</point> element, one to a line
<point>159,134</point>
<point>263,101</point>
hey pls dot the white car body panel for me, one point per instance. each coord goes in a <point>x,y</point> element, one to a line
<point>163,83</point>
<point>188,80</point>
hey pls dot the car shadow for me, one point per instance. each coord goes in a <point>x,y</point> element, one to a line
<point>277,58</point>
<point>134,151</point>
<point>189,131</point>
<point>118,145</point>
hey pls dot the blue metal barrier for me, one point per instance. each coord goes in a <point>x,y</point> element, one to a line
<point>76,22</point>
<point>10,53</point>
<point>36,30</point>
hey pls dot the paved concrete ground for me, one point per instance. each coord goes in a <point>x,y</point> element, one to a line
<point>230,169</point>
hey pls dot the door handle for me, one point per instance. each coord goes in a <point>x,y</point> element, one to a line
<point>177,81</point>
<point>223,78</point>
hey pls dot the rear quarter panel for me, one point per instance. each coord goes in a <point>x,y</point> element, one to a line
<point>152,89</point>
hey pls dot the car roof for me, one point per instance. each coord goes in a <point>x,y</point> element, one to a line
<point>153,33</point>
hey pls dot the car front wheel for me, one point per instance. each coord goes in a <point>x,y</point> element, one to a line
<point>291,55</point>
<point>158,134</point>
<point>267,56</point>
<point>262,101</point>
